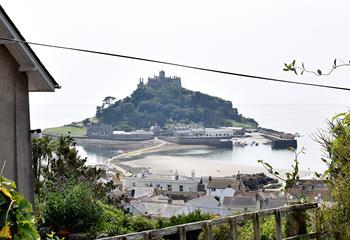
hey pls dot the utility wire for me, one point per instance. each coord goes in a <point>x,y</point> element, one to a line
<point>177,64</point>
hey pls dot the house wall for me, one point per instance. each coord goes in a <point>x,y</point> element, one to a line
<point>15,146</point>
<point>221,193</point>
<point>188,186</point>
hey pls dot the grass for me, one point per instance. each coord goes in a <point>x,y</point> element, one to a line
<point>74,131</point>
<point>234,123</point>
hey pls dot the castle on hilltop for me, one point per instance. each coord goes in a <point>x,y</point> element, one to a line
<point>160,81</point>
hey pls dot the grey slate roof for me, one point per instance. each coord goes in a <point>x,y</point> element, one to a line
<point>240,201</point>
<point>222,183</point>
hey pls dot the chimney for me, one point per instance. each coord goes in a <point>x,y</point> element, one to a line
<point>193,174</point>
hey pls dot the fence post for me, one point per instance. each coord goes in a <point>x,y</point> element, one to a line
<point>278,224</point>
<point>296,223</point>
<point>182,233</point>
<point>256,225</point>
<point>318,223</point>
<point>208,233</point>
<point>233,228</point>
<point>148,235</point>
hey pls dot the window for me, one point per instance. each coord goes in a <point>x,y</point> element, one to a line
<point>181,188</point>
<point>169,188</point>
<point>213,189</point>
<point>158,186</point>
<point>133,184</point>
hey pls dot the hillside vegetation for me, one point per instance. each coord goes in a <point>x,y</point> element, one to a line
<point>147,106</point>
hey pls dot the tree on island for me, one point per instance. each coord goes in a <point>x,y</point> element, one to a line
<point>149,106</point>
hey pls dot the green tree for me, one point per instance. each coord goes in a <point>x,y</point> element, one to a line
<point>56,160</point>
<point>162,104</point>
<point>42,150</point>
<point>336,142</point>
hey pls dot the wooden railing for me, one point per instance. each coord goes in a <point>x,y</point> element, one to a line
<point>181,230</point>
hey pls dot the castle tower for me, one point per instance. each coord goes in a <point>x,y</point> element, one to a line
<point>141,83</point>
<point>161,75</point>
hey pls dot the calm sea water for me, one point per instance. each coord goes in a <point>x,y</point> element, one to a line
<point>303,119</point>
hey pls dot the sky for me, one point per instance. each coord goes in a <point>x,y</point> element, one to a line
<point>250,37</point>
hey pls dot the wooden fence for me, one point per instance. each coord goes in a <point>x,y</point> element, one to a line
<point>181,230</point>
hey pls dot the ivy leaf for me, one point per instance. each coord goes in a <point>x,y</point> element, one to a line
<point>338,116</point>
<point>319,72</point>
<point>268,165</point>
<point>6,232</point>
<point>293,63</point>
<point>6,192</point>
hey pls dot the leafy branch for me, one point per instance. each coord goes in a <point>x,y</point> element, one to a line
<point>292,67</point>
<point>291,178</point>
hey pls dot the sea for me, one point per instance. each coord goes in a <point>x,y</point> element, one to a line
<point>305,119</point>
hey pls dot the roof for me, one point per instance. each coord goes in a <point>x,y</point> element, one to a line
<point>156,209</point>
<point>223,182</point>
<point>39,78</point>
<point>242,201</point>
<point>166,178</point>
<point>143,191</point>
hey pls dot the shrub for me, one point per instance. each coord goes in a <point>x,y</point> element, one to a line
<point>113,221</point>
<point>336,142</point>
<point>245,231</point>
<point>139,224</point>
<point>71,205</point>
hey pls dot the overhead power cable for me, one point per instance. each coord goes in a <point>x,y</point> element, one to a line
<point>177,64</point>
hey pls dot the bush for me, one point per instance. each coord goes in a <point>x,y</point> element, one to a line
<point>336,216</point>
<point>245,231</point>
<point>71,206</point>
<point>140,223</point>
<point>336,142</point>
<point>113,221</point>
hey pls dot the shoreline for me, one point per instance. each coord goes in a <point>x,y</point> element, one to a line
<point>128,162</point>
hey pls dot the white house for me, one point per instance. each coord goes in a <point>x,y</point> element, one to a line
<point>205,204</point>
<point>221,187</point>
<point>169,183</point>
<point>151,209</point>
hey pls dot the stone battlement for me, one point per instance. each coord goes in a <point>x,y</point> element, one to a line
<point>160,81</point>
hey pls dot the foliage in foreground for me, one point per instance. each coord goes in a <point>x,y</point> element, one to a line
<point>336,142</point>
<point>17,220</point>
<point>70,205</point>
<point>116,222</point>
<point>245,231</point>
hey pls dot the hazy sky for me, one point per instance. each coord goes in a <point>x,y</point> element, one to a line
<point>252,37</point>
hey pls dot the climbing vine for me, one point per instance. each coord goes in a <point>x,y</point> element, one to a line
<point>17,220</point>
